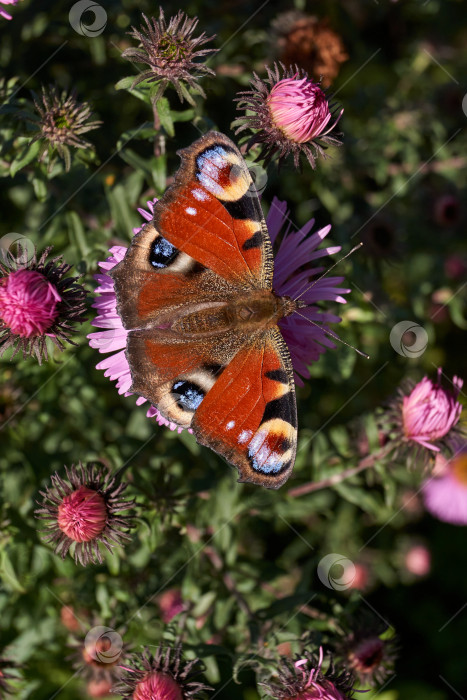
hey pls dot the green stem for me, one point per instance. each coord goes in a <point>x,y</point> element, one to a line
<point>365,463</point>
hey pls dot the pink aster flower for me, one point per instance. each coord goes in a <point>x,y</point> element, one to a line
<point>304,680</point>
<point>293,274</point>
<point>83,511</point>
<point>28,303</point>
<point>164,676</point>
<point>37,301</point>
<point>429,412</point>
<point>4,14</point>
<point>445,496</point>
<point>157,685</point>
<point>6,666</point>
<point>82,514</point>
<point>289,114</point>
<point>300,109</point>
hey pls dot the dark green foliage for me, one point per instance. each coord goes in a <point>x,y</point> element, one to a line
<point>244,559</point>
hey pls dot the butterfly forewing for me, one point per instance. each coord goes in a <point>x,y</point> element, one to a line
<point>213,214</point>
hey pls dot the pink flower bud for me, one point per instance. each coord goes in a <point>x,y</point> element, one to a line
<point>300,109</point>
<point>28,303</point>
<point>430,411</point>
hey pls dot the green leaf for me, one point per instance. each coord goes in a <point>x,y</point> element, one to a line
<point>159,173</point>
<point>136,161</point>
<point>286,604</point>
<point>143,132</point>
<point>185,116</point>
<point>8,575</point>
<point>121,211</point>
<point>77,233</point>
<point>163,110</point>
<point>125,83</point>
<point>21,161</point>
<point>40,188</point>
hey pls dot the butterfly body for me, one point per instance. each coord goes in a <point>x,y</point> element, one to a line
<point>254,311</point>
<point>195,293</point>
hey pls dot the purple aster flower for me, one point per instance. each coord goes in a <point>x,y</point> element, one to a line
<point>293,277</point>
<point>304,332</point>
<point>4,14</point>
<point>304,680</point>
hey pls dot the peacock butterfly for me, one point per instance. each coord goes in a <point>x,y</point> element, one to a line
<point>194,291</point>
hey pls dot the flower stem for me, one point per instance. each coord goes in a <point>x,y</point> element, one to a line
<point>157,128</point>
<point>366,463</point>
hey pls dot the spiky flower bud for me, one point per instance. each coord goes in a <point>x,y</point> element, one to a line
<point>289,114</point>
<point>171,53</point>
<point>61,122</point>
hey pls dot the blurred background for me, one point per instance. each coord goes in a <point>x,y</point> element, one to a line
<point>398,184</point>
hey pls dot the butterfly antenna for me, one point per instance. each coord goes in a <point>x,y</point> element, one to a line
<point>329,270</point>
<point>333,335</point>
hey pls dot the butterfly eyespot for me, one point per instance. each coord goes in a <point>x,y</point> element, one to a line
<point>162,253</point>
<point>188,395</point>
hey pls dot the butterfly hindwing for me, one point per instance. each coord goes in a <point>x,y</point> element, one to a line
<point>249,416</point>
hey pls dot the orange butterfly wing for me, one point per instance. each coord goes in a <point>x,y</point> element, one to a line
<point>212,213</point>
<point>250,416</point>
